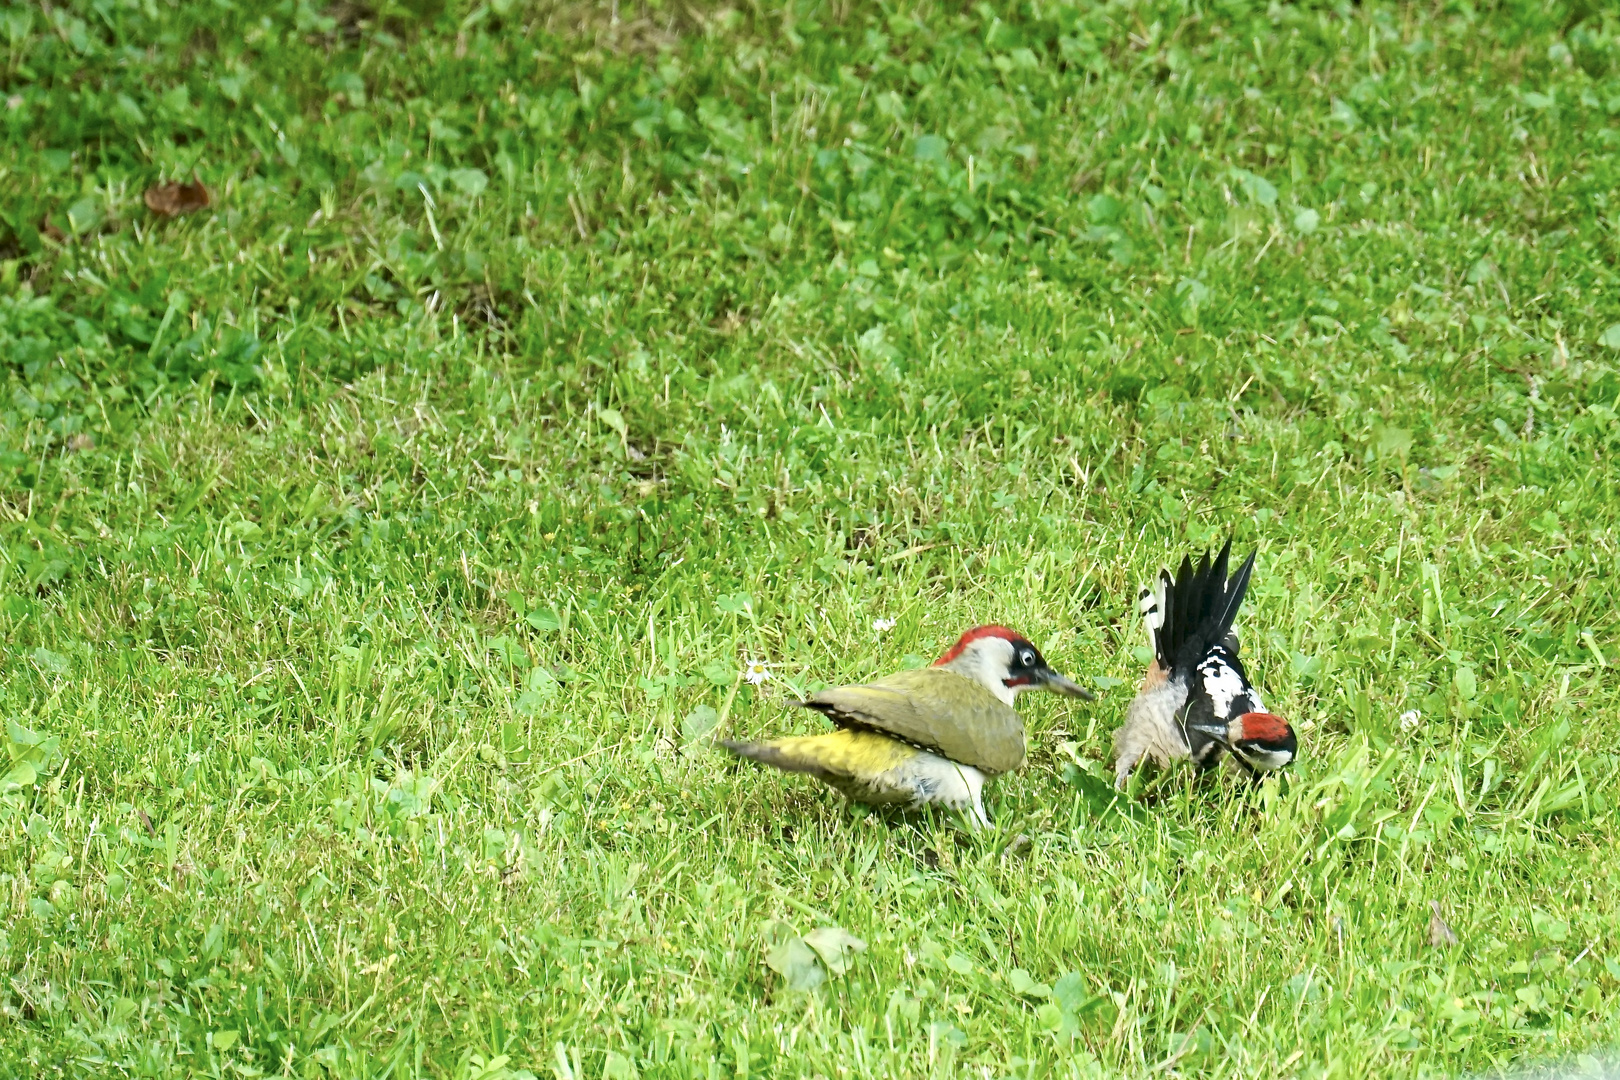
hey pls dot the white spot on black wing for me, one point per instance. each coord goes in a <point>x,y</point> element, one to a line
<point>1223,684</point>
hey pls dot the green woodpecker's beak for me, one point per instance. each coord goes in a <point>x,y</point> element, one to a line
<point>1048,679</point>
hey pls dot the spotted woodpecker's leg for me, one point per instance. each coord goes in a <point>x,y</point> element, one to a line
<point>1123,765</point>
<point>1132,743</point>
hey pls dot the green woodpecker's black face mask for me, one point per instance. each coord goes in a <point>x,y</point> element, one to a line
<point>1030,669</point>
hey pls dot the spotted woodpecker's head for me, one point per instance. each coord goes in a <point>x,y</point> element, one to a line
<point>1262,741</point>
<point>1005,663</point>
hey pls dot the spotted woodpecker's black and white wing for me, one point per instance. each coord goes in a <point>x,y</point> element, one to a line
<point>1219,692</point>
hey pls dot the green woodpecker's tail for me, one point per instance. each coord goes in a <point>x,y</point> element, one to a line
<point>873,768</point>
<point>836,756</point>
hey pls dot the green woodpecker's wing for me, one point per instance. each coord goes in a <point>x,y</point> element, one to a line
<point>936,709</point>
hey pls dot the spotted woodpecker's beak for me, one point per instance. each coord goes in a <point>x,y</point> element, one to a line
<point>1217,731</point>
<point>1047,679</point>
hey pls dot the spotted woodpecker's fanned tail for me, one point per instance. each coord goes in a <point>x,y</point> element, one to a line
<point>1198,602</point>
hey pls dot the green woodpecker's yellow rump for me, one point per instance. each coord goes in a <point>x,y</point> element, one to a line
<point>872,768</point>
<point>929,736</point>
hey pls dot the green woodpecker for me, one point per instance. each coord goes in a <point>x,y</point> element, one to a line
<point>929,736</point>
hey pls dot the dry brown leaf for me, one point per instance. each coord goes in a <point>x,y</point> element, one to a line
<point>51,231</point>
<point>1441,936</point>
<point>172,200</point>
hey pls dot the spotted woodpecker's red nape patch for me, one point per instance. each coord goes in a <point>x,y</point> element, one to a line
<point>1263,727</point>
<point>974,635</point>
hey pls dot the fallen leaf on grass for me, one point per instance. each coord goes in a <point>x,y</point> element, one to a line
<point>800,960</point>
<point>795,961</point>
<point>1025,986</point>
<point>1441,936</point>
<point>835,946</point>
<point>172,200</point>
<point>699,722</point>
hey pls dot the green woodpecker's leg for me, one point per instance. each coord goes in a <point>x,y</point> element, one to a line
<point>976,817</point>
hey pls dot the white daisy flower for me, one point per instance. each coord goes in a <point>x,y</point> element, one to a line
<point>880,625</point>
<point>756,672</point>
<point>1410,719</point>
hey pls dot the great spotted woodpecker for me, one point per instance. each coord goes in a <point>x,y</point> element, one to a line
<point>1196,702</point>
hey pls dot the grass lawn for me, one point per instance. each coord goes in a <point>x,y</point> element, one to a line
<point>381,545</point>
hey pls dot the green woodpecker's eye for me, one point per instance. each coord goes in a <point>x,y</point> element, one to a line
<point>1027,658</point>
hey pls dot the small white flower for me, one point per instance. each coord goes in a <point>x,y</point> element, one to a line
<point>1410,719</point>
<point>880,625</point>
<point>756,672</point>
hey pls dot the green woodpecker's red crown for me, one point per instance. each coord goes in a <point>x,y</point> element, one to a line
<point>974,635</point>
